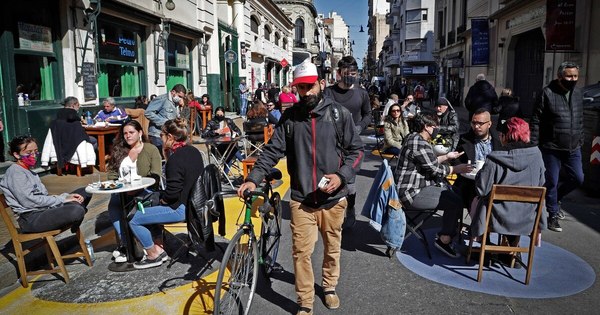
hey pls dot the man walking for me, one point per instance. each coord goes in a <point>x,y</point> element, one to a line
<point>481,94</point>
<point>557,127</point>
<point>161,109</point>
<point>317,135</point>
<point>243,98</point>
<point>349,94</point>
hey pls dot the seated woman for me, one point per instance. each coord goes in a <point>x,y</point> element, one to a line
<point>395,129</point>
<point>184,166</point>
<point>36,211</point>
<point>220,126</point>
<point>421,179</point>
<point>131,149</point>
<point>517,162</point>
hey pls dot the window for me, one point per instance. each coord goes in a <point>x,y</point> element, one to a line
<point>267,33</point>
<point>277,38</point>
<point>254,24</point>
<point>416,45</point>
<point>413,16</point>
<point>284,44</point>
<point>36,63</point>
<point>424,14</point>
<point>178,62</point>
<point>298,32</point>
<point>119,51</point>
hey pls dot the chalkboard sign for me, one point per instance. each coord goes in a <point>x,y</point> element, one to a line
<point>88,72</point>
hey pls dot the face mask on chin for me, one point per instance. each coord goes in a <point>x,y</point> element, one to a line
<point>569,85</point>
<point>176,99</point>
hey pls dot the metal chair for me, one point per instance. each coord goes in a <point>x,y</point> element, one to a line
<point>45,239</point>
<point>503,193</point>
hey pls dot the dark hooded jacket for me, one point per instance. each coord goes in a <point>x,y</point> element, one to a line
<point>481,94</point>
<point>309,140</point>
<point>515,164</point>
<point>557,120</point>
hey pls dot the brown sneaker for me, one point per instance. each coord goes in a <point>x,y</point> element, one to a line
<point>304,311</point>
<point>332,301</point>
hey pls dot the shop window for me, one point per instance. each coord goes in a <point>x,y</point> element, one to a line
<point>178,62</point>
<point>35,76</point>
<point>121,68</point>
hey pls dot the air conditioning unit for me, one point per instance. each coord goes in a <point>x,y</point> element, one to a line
<point>303,41</point>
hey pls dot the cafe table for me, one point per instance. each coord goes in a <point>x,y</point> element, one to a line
<point>125,231</point>
<point>100,132</point>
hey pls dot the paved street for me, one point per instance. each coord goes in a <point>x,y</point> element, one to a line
<point>370,283</point>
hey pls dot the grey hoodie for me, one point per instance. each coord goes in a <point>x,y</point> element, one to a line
<point>517,164</point>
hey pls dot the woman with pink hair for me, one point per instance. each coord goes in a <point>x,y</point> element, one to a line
<point>518,162</point>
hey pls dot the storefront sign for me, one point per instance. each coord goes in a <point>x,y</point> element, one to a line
<point>88,73</point>
<point>525,17</point>
<point>418,70</point>
<point>35,37</point>
<point>230,56</point>
<point>560,25</point>
<point>284,63</point>
<point>480,49</point>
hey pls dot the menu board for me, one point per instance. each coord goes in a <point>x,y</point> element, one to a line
<point>88,72</point>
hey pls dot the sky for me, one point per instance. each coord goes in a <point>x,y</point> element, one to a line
<point>355,14</point>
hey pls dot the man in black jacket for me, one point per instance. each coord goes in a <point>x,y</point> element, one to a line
<point>481,94</point>
<point>318,138</point>
<point>477,144</point>
<point>557,127</point>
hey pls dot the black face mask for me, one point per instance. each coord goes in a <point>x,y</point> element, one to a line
<point>219,118</point>
<point>435,132</point>
<point>311,100</point>
<point>569,85</point>
<point>349,80</point>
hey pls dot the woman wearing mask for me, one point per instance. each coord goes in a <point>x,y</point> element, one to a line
<point>184,166</point>
<point>421,179</point>
<point>220,126</point>
<point>36,211</point>
<point>131,150</point>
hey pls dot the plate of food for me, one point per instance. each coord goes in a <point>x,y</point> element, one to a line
<point>110,185</point>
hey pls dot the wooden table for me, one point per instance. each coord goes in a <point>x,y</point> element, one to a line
<point>125,231</point>
<point>206,116</point>
<point>100,132</point>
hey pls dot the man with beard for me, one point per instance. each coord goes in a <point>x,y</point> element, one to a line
<point>349,94</point>
<point>318,138</point>
<point>477,144</point>
<point>557,127</point>
<point>448,120</point>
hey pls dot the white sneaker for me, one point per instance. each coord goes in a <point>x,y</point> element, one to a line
<point>121,258</point>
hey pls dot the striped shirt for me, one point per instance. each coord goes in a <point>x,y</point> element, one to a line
<point>417,168</point>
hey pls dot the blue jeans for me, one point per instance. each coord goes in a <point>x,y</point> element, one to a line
<point>557,163</point>
<point>157,141</point>
<point>243,106</point>
<point>154,215</point>
<point>114,209</point>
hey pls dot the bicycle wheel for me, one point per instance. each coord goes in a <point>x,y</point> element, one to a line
<point>236,282</point>
<point>270,234</point>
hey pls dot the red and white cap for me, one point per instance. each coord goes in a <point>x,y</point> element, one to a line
<point>305,72</point>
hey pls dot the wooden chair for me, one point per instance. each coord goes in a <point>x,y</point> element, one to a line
<point>193,114</point>
<point>45,239</point>
<point>527,194</point>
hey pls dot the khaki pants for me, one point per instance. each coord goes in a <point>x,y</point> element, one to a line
<point>305,224</point>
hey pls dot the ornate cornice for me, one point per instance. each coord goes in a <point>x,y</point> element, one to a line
<point>307,3</point>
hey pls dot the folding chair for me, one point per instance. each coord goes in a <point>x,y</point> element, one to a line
<point>45,239</point>
<point>257,135</point>
<point>502,193</point>
<point>380,138</point>
<point>415,218</point>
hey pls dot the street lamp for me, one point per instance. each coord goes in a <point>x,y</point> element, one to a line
<point>170,5</point>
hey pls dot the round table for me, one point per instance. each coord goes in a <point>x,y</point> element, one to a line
<point>125,231</point>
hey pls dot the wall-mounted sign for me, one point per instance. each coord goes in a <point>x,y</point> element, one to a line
<point>35,37</point>
<point>284,63</point>
<point>230,56</point>
<point>480,49</point>
<point>560,25</point>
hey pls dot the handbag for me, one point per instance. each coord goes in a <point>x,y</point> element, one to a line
<point>139,203</point>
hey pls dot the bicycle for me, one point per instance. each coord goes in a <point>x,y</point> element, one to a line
<point>236,282</point>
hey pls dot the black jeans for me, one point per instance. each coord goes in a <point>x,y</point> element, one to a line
<point>440,198</point>
<point>69,214</point>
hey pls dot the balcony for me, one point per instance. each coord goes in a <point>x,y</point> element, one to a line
<point>392,61</point>
<point>298,44</point>
<point>395,10</point>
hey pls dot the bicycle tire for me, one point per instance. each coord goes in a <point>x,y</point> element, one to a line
<point>270,234</point>
<point>233,295</point>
